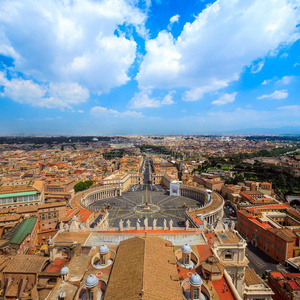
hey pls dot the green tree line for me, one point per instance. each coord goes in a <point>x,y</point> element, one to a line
<point>82,185</point>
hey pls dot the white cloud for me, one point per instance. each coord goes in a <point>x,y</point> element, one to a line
<point>296,64</point>
<point>143,99</point>
<point>103,111</point>
<point>225,38</point>
<point>282,94</point>
<point>265,82</point>
<point>63,41</point>
<point>197,93</point>
<point>255,68</point>
<point>285,80</point>
<point>52,95</point>
<point>224,99</point>
<point>173,20</point>
<point>80,111</point>
<point>284,55</point>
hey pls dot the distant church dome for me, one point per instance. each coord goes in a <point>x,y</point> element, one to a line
<point>186,249</point>
<point>103,249</point>
<point>64,270</point>
<point>195,280</point>
<point>91,281</point>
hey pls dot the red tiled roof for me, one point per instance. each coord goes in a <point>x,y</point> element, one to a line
<point>277,274</point>
<point>294,285</point>
<point>263,225</point>
<point>56,266</point>
<point>274,206</point>
<point>250,198</point>
<point>219,287</point>
<point>84,214</point>
<point>198,221</point>
<point>69,212</point>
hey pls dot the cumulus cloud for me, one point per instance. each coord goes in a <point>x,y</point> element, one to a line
<point>63,41</point>
<point>282,94</point>
<point>224,38</point>
<point>285,80</point>
<point>173,20</point>
<point>52,95</point>
<point>103,111</point>
<point>143,99</point>
<point>224,99</point>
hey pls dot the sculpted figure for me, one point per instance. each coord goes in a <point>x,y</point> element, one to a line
<point>154,223</point>
<point>146,223</point>
<point>171,224</point>
<point>121,224</point>
<point>50,241</point>
<point>187,224</point>
<point>128,223</point>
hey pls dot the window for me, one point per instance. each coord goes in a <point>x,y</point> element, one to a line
<point>228,256</point>
<point>49,216</point>
<point>43,216</point>
<point>54,215</point>
<point>196,293</point>
<point>102,260</point>
<point>186,260</point>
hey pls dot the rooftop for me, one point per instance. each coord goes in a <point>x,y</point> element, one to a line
<point>144,267</point>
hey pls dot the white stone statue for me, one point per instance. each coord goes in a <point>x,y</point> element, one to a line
<point>154,224</point>
<point>138,225</point>
<point>128,223</point>
<point>146,223</point>
<point>50,241</point>
<point>82,227</point>
<point>204,224</point>
<point>61,226</point>
<point>226,226</point>
<point>171,224</point>
<point>121,225</point>
<point>165,224</point>
<point>187,224</point>
<point>231,226</point>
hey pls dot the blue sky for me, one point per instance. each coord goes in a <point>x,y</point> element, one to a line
<point>148,67</point>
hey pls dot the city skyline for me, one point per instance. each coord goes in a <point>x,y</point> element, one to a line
<point>149,67</point>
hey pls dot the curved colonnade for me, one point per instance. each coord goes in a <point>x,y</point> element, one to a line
<point>211,207</point>
<point>103,192</point>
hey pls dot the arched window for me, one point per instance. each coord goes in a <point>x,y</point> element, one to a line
<point>196,294</point>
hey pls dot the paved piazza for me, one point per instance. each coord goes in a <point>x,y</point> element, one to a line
<point>162,206</point>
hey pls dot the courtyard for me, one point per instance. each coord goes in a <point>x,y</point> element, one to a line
<point>130,206</point>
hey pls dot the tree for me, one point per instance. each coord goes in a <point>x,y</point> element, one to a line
<point>82,185</point>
